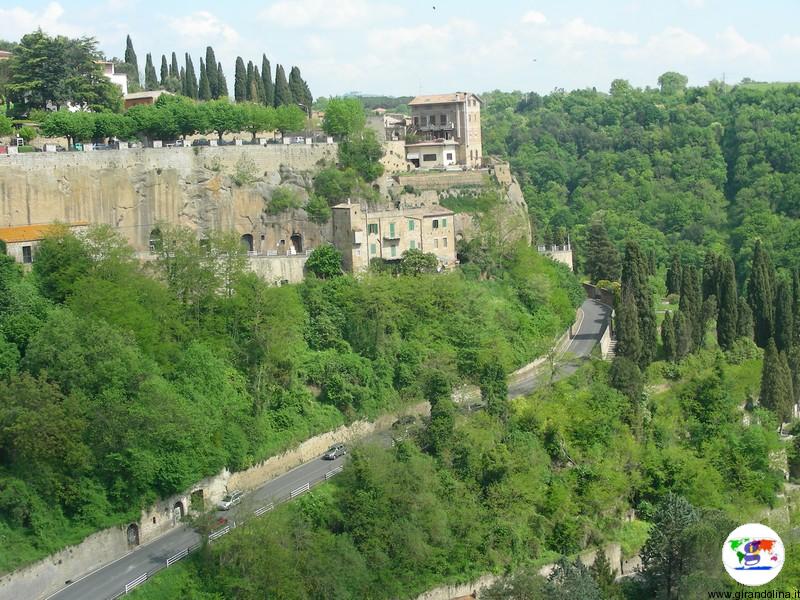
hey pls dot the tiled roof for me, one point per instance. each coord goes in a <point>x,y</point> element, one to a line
<point>442,98</point>
<point>31,233</point>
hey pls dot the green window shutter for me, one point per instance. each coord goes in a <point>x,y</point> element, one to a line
<point>412,244</point>
<point>391,230</point>
<point>444,222</point>
<point>411,225</point>
<point>372,248</point>
<point>394,250</point>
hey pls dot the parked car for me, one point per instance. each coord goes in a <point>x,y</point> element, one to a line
<point>102,147</point>
<point>201,142</point>
<point>180,143</point>
<point>335,452</point>
<point>230,500</point>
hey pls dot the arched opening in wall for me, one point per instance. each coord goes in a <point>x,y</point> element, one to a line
<point>197,501</point>
<point>297,242</point>
<point>376,187</point>
<point>177,511</point>
<point>156,240</point>
<point>247,242</point>
<point>133,534</point>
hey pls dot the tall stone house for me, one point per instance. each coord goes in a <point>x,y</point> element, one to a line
<point>447,131</point>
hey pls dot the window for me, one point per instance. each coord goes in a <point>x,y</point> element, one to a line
<point>372,249</point>
<point>436,223</point>
<point>410,225</point>
<point>358,251</point>
<point>416,121</point>
<point>412,244</point>
<point>435,242</point>
<point>444,242</point>
<point>372,228</point>
<point>449,156</point>
<point>444,222</point>
<point>394,250</point>
<point>27,256</point>
<point>443,119</point>
<point>391,230</point>
<point>429,157</point>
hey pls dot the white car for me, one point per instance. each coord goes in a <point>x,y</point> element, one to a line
<point>230,500</point>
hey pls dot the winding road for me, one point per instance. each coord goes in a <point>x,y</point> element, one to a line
<point>110,580</point>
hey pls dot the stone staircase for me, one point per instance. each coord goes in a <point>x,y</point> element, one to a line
<point>612,350</point>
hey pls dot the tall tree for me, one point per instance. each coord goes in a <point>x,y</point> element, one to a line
<point>683,335</point>
<point>710,275</point>
<point>174,71</point>
<point>182,77</point>
<point>211,73</point>
<point>299,90</point>
<point>691,304</point>
<point>190,79</point>
<point>761,294</point>
<point>728,305</point>
<point>240,81</point>
<point>266,79</point>
<point>668,338</point>
<point>150,77</point>
<point>629,341</point>
<point>164,71</point>
<point>776,383</point>
<point>259,92</point>
<point>204,87</point>
<point>134,82</point>
<point>784,316</point>
<point>796,305</point>
<point>636,281</point>
<point>222,82</point>
<point>744,325</point>
<point>283,95</point>
<point>494,388</point>
<point>602,257</point>
<point>674,273</point>
<point>251,90</point>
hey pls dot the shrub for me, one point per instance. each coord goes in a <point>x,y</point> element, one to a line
<point>283,199</point>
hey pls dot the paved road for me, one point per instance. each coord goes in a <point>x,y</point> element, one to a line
<point>111,579</point>
<point>595,316</point>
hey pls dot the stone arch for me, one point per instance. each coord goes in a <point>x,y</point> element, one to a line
<point>297,242</point>
<point>178,511</point>
<point>247,242</point>
<point>133,534</point>
<point>156,239</point>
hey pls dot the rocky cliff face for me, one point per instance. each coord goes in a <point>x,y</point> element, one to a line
<point>224,188</point>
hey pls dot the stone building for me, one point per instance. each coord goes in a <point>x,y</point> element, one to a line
<point>448,131</point>
<point>363,235</point>
<point>21,242</point>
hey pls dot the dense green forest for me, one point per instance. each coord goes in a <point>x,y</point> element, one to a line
<point>675,168</point>
<point>122,382</point>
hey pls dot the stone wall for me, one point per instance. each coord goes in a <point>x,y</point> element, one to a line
<point>134,190</point>
<point>394,157</point>
<point>278,269</point>
<point>443,180</point>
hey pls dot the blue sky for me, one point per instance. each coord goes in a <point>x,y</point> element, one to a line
<point>405,48</point>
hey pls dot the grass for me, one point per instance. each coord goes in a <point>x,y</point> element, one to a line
<point>632,536</point>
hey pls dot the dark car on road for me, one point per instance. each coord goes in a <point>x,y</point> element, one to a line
<point>335,452</point>
<point>201,142</point>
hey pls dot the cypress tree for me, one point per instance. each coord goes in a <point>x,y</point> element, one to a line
<point>629,340</point>
<point>174,71</point>
<point>652,264</point>
<point>250,92</point>
<point>793,358</point>
<point>130,58</point>
<point>711,275</point>
<point>164,71</point>
<point>776,383</point>
<point>223,83</point>
<point>796,305</point>
<point>691,304</point>
<point>668,338</point>
<point>182,77</point>
<point>674,274</point>
<point>761,294</point>
<point>211,73</point>
<point>283,96</point>
<point>266,79</point>
<point>635,279</point>
<point>204,89</point>
<point>602,257</point>
<point>299,89</point>
<point>240,81</point>
<point>683,335</point>
<point>150,78</point>
<point>744,326</point>
<point>259,97</point>
<point>784,316</point>
<point>728,305</point>
<point>190,79</point>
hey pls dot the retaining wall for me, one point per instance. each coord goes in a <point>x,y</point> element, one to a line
<point>277,269</point>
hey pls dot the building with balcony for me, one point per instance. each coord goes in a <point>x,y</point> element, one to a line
<point>364,235</point>
<point>447,131</point>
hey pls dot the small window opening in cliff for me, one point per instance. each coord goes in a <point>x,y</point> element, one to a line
<point>27,255</point>
<point>156,240</point>
<point>247,242</point>
<point>297,242</point>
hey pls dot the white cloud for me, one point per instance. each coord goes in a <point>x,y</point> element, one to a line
<point>534,17</point>
<point>203,25</point>
<point>578,31</point>
<point>675,44</point>
<point>790,42</point>
<point>18,21</point>
<point>733,45</point>
<point>327,14</point>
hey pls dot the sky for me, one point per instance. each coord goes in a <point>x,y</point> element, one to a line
<point>413,47</point>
